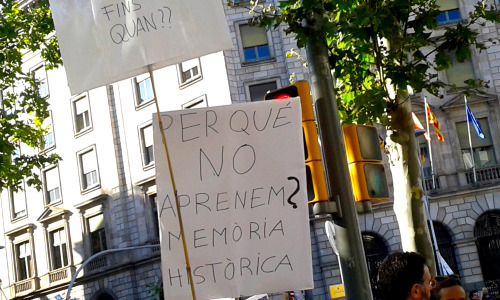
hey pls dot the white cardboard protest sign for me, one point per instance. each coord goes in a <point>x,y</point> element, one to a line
<point>240,176</point>
<point>104,41</point>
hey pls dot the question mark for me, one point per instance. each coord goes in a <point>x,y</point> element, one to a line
<point>162,15</point>
<point>170,13</point>
<point>289,200</point>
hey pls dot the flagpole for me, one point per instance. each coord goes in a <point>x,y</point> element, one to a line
<point>470,143</point>
<point>429,145</point>
<point>427,213</point>
<point>177,202</point>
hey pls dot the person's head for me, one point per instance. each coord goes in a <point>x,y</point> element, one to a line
<point>473,295</point>
<point>447,288</point>
<point>404,275</point>
<point>485,291</point>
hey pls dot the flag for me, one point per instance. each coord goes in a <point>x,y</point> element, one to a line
<point>432,120</point>
<point>473,120</point>
<point>418,126</point>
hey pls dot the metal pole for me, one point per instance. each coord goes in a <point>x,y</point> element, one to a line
<point>428,214</point>
<point>472,158</point>
<point>352,256</point>
<point>429,145</point>
<point>88,260</point>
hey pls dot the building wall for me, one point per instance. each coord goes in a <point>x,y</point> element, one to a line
<point>127,184</point>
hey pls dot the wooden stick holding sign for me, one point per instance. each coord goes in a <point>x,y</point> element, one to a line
<point>181,226</point>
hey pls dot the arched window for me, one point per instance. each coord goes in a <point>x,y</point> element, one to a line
<point>105,297</point>
<point>487,232</point>
<point>104,294</point>
<point>375,250</point>
<point>445,245</point>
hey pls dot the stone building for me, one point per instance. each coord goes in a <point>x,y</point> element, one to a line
<point>102,195</point>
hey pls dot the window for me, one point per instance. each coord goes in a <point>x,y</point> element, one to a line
<point>482,149</point>
<point>41,77</point>
<point>375,250</point>
<point>195,103</point>
<point>144,89</point>
<point>241,1</point>
<point>88,169</point>
<point>23,261</point>
<point>487,233</point>
<point>189,71</point>
<point>58,249</point>
<point>258,91</point>
<point>459,72</point>
<point>52,188</point>
<point>425,158</point>
<point>18,204</point>
<point>254,42</point>
<point>449,11</point>
<point>81,114</point>
<point>146,134</point>
<point>154,213</point>
<point>445,245</point>
<point>49,140</point>
<point>97,233</point>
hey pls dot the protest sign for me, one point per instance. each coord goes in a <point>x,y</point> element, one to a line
<point>104,41</point>
<point>240,177</point>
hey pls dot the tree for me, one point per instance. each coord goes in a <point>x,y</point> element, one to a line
<point>381,51</point>
<point>24,29</point>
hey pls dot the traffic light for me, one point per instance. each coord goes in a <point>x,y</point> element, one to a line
<point>316,186</point>
<point>364,159</point>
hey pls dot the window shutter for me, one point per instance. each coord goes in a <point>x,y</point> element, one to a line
<point>96,223</point>
<point>88,162</point>
<point>51,179</point>
<point>147,133</point>
<point>447,4</point>
<point>253,36</point>
<point>189,64</point>
<point>81,106</point>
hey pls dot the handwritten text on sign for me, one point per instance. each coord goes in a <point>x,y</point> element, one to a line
<point>240,175</point>
<point>122,38</point>
<point>129,19</point>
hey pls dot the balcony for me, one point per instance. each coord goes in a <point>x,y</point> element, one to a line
<point>484,175</point>
<point>25,287</point>
<point>97,263</point>
<point>155,249</point>
<point>464,180</point>
<point>57,277</point>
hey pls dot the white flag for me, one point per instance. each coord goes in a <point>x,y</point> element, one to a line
<point>104,41</point>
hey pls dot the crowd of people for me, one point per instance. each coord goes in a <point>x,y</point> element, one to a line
<point>405,276</point>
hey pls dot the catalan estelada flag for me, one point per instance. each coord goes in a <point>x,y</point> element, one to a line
<point>432,120</point>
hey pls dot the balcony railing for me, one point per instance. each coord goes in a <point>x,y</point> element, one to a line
<point>430,186</point>
<point>483,175</point>
<point>25,287</point>
<point>58,275</point>
<point>155,249</point>
<point>97,263</point>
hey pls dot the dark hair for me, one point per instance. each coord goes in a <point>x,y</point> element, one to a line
<point>399,272</point>
<point>447,282</point>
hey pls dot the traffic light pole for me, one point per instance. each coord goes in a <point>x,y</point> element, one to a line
<point>348,236</point>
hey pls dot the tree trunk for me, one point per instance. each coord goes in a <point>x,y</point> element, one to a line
<point>408,196</point>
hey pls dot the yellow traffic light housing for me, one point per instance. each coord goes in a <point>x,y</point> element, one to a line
<point>316,186</point>
<point>364,160</point>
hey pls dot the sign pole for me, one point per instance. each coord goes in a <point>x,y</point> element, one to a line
<point>351,253</point>
<point>177,203</point>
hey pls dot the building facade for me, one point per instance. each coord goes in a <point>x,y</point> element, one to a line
<point>102,195</point>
